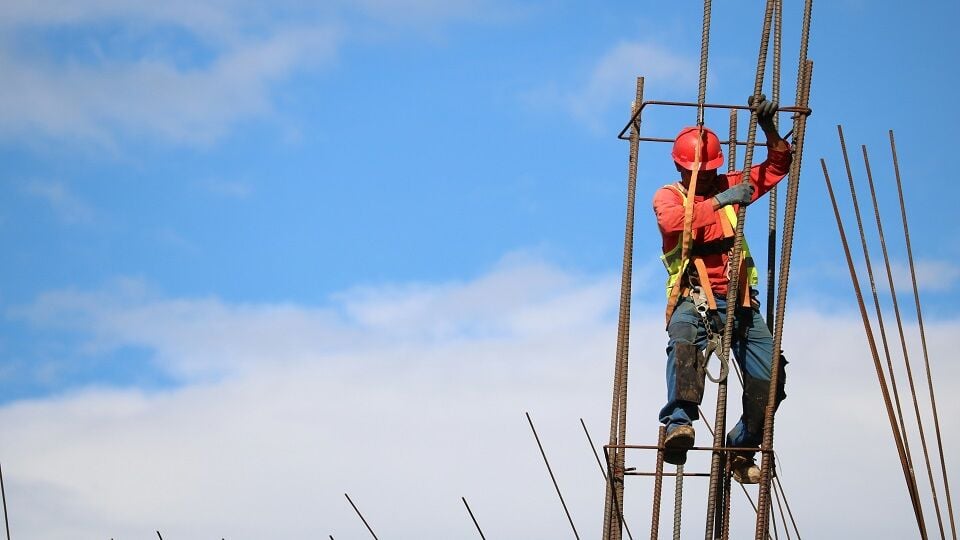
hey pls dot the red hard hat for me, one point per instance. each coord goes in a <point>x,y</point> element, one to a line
<point>685,149</point>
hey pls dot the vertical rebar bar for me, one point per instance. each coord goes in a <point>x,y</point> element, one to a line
<point>678,503</point>
<point>772,194</point>
<point>618,414</point>
<point>364,520</point>
<point>789,220</point>
<point>923,335</point>
<point>903,345</point>
<point>733,288</point>
<point>658,485</point>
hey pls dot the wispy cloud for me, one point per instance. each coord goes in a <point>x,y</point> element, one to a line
<point>227,188</point>
<point>932,275</point>
<point>153,96</point>
<point>68,206</point>
<point>411,387</point>
<point>611,80</point>
<point>182,72</point>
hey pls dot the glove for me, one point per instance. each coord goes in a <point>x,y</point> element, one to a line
<point>741,193</point>
<point>766,111</point>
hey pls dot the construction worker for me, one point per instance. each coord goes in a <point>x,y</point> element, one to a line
<point>697,288</point>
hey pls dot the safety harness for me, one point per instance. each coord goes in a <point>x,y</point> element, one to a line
<point>682,282</point>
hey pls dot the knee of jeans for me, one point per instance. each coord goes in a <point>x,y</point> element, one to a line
<point>682,330</point>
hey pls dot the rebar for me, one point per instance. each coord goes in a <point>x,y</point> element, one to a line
<point>658,485</point>
<point>787,504</point>
<point>552,477</point>
<point>908,464</point>
<point>357,510</point>
<point>3,493</point>
<point>783,517</point>
<point>876,299</point>
<point>472,517</point>
<point>923,335</point>
<point>594,449</point>
<point>789,221</point>
<point>733,288</point>
<point>871,341</point>
<point>903,345</point>
<point>772,194</point>
<point>618,413</point>
<point>678,503</point>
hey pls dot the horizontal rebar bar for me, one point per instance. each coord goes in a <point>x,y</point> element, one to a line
<point>806,111</point>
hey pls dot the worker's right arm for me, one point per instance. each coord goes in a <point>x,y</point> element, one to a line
<point>668,206</point>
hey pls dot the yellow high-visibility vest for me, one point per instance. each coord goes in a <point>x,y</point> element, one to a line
<point>675,266</point>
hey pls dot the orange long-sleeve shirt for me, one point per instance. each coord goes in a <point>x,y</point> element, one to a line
<point>668,207</point>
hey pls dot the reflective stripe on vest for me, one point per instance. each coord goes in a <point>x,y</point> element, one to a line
<point>675,266</point>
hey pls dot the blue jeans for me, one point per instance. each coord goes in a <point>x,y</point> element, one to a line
<point>752,347</point>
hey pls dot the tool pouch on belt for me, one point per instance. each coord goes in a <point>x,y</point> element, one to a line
<point>755,394</point>
<point>690,372</point>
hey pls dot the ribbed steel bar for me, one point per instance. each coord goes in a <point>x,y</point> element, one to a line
<point>552,477</point>
<point>618,413</point>
<point>733,288</point>
<point>876,303</point>
<point>363,519</point>
<point>871,341</point>
<point>787,504</point>
<point>3,493</point>
<point>704,54</point>
<point>783,516</point>
<point>923,335</point>
<point>903,345</point>
<point>727,475</point>
<point>474,518</point>
<point>723,517</point>
<point>617,513</point>
<point>789,220</point>
<point>786,109</point>
<point>657,485</point>
<point>772,194</point>
<point>904,442</point>
<point>603,472</point>
<point>678,503</point>
<point>594,449</point>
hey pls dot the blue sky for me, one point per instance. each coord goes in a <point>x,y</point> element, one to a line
<point>199,198</point>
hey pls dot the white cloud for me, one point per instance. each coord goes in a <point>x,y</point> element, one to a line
<point>154,97</point>
<point>612,80</point>
<point>134,81</point>
<point>932,275</point>
<point>66,205</point>
<point>408,398</point>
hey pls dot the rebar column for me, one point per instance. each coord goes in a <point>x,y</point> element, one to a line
<point>733,287</point>
<point>612,529</point>
<point>789,219</point>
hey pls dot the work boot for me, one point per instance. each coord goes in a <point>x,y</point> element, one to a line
<point>745,469</point>
<point>676,444</point>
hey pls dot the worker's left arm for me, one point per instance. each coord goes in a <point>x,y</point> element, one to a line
<point>767,174</point>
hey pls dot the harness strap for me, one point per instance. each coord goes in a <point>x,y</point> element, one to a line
<point>705,282</point>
